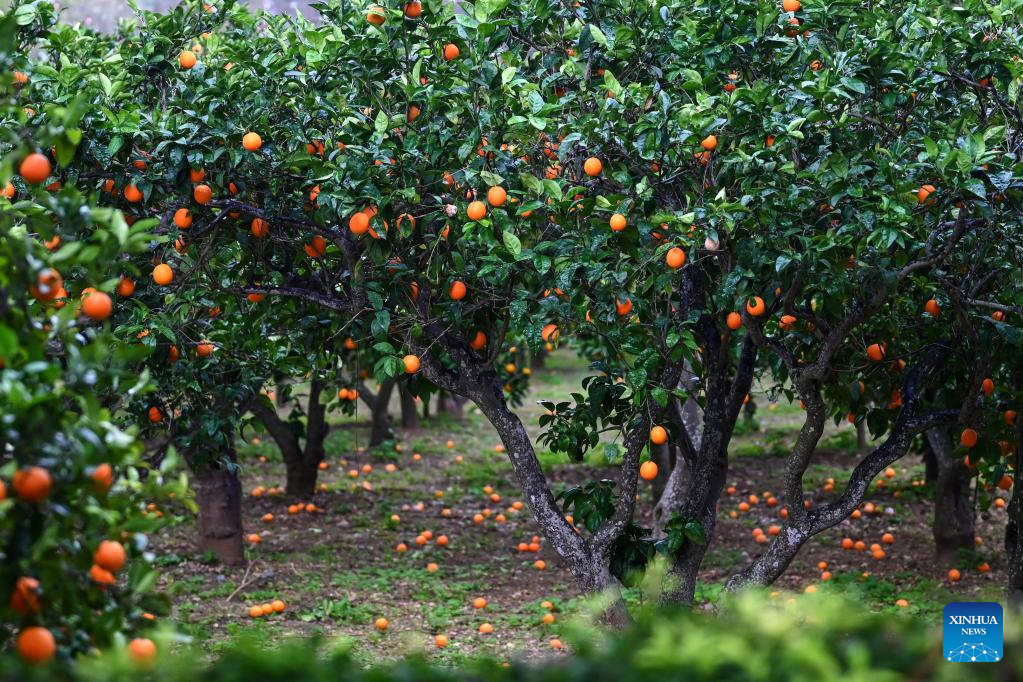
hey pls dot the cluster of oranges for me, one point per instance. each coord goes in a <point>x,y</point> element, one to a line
<point>260,610</point>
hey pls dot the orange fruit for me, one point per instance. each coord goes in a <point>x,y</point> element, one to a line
<point>457,290</point>
<point>25,597</point>
<point>277,605</point>
<point>202,194</point>
<point>36,645</point>
<point>988,386</point>
<point>186,59</point>
<point>648,470</point>
<point>317,248</point>
<point>259,228</point>
<point>875,352</point>
<point>126,287</point>
<point>451,52</point>
<point>888,539</point>
<point>204,349</point>
<point>755,306</point>
<point>133,194</point>
<point>380,624</point>
<point>252,142</point>
<point>709,143</point>
<point>968,437</point>
<point>549,333</point>
<point>932,308</point>
<point>97,305</point>
<point>411,363</point>
<point>1009,417</point>
<point>924,192</point>
<point>376,15</point>
<point>593,167</point>
<point>675,258</point>
<point>790,5</point>
<point>617,222</point>
<point>162,274</point>
<point>8,191</point>
<point>255,611</point>
<point>102,476</point>
<point>479,603</point>
<point>954,575</point>
<point>440,641</point>
<point>734,320</point>
<point>479,341</point>
<point>35,169</point>
<point>155,415</point>
<point>110,556</point>
<point>623,306</point>
<point>196,175</point>
<point>359,223</point>
<point>32,484</point>
<point>142,650</point>
<point>496,196</point>
<point>101,576</point>
<point>658,435</point>
<point>540,564</point>
<point>476,210</point>
<point>49,285</point>
<point>486,629</point>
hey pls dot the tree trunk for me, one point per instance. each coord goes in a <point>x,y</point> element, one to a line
<point>381,427</point>
<point>930,462</point>
<point>954,521</point>
<point>861,437</point>
<point>301,464</point>
<point>409,414</point>
<point>664,457</point>
<point>451,404</point>
<point>539,359</point>
<point>218,493</point>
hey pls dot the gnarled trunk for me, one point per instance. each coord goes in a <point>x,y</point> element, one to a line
<point>954,525</point>
<point>409,414</point>
<point>302,464</point>
<point>218,492</point>
<point>381,426</point>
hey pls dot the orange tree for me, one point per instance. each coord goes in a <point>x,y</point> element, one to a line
<point>75,573</point>
<point>730,188</point>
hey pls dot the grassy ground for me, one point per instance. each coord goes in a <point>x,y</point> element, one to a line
<point>338,570</point>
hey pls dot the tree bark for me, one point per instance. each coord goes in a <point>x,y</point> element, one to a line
<point>930,462</point>
<point>664,457</point>
<point>302,464</point>
<point>381,426</point>
<point>954,524</point>
<point>450,403</point>
<point>218,492</point>
<point>687,418</point>
<point>539,359</point>
<point>409,413</point>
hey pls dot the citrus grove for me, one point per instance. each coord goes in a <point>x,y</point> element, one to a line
<point>220,226</point>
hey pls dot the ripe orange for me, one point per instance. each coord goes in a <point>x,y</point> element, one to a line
<point>186,59</point>
<point>1005,482</point>
<point>35,169</point>
<point>457,290</point>
<point>540,564</point>
<point>888,539</point>
<point>790,5</point>
<point>36,645</point>
<point>252,142</point>
<point>8,191</point>
<point>204,349</point>
<point>648,470</point>
<point>932,308</point>
<point>954,575</point>
<point>1009,417</point>
<point>479,341</point>
<point>617,222</point>
<point>110,556</point>
<point>593,167</point>
<point>734,320</point>
<point>133,194</point>
<point>162,274</point>
<point>376,15</point>
<point>451,52</point>
<point>440,641</point>
<point>549,333</point>
<point>142,651</point>
<point>968,437</point>
<point>102,476</point>
<point>32,484</point>
<point>479,603</point>
<point>411,363</point>
<point>675,258</point>
<point>380,624</point>
<point>259,228</point>
<point>25,597</point>
<point>755,306</point>
<point>126,287</point>
<point>277,605</point>
<point>709,143</point>
<point>202,194</point>
<point>359,223</point>
<point>875,352</point>
<point>658,435</point>
<point>155,415</point>
<point>924,192</point>
<point>317,248</point>
<point>496,196</point>
<point>101,576</point>
<point>97,305</point>
<point>476,210</point>
<point>988,386</point>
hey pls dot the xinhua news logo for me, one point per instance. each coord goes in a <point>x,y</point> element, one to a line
<point>972,632</point>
